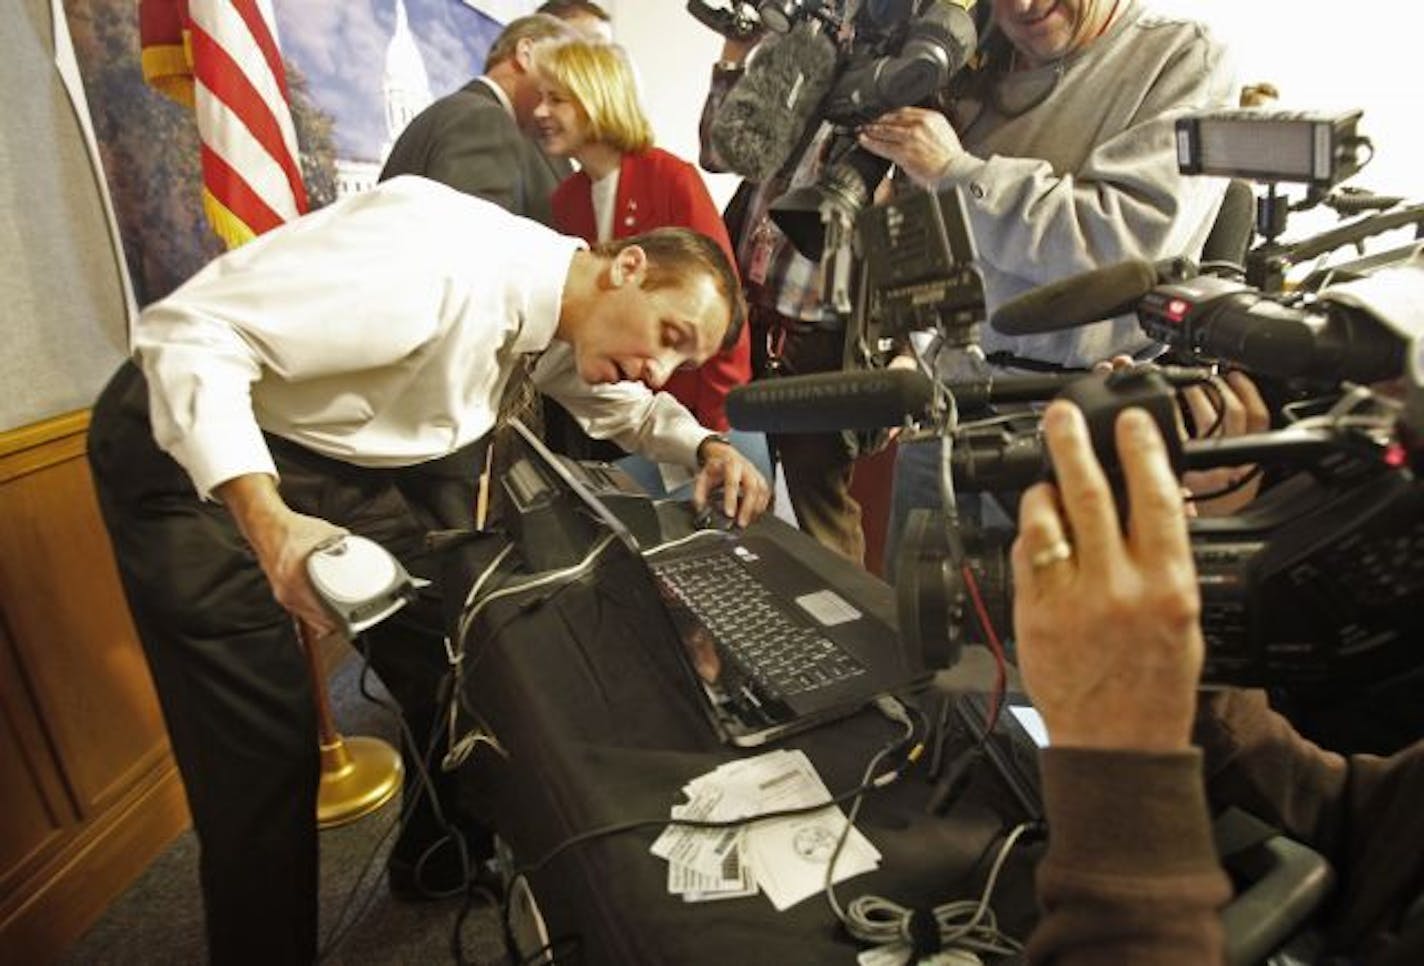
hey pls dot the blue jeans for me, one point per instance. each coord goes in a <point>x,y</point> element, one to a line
<point>645,471</point>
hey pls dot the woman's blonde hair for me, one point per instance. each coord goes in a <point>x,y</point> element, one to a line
<point>599,78</point>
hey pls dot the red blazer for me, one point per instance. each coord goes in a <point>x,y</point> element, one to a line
<point>659,190</point>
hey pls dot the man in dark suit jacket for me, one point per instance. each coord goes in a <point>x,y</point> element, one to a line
<point>473,140</point>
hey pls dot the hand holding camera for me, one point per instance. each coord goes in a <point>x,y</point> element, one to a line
<point>1107,620</point>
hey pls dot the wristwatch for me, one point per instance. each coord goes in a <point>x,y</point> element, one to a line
<point>702,446</point>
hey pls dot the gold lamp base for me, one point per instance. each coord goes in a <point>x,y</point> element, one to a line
<point>358,776</point>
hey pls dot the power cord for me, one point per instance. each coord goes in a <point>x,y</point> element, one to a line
<point>891,708</point>
<point>965,924</point>
<point>872,919</point>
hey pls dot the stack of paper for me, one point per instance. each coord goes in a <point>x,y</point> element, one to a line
<point>785,857</point>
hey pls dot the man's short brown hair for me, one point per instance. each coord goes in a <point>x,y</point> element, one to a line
<point>535,27</point>
<point>565,9</point>
<point>676,253</point>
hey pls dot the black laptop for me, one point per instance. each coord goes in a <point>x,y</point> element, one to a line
<point>770,646</point>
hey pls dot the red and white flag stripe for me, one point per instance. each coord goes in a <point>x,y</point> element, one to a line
<point>251,179</point>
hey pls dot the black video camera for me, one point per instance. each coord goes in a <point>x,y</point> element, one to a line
<point>894,53</point>
<point>1321,579</point>
<point>918,270</point>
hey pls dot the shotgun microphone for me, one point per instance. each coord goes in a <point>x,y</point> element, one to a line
<point>827,402</point>
<point>1089,297</point>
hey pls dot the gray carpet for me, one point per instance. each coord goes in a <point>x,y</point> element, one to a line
<point>159,919</point>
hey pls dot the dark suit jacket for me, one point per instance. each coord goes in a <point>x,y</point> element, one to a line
<point>468,141</point>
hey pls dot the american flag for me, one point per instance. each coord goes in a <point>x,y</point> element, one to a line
<point>220,58</point>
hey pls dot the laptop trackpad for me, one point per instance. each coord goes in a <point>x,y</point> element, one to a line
<point>828,608</point>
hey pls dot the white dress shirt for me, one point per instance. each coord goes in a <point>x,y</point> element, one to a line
<point>604,194</point>
<point>380,331</point>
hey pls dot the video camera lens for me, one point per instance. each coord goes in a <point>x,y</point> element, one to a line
<point>934,608</point>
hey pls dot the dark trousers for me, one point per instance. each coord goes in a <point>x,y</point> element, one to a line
<point>229,671</point>
<point>818,466</point>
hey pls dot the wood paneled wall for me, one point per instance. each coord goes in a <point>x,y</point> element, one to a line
<point>90,792</point>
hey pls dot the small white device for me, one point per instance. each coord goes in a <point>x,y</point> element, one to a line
<point>359,581</point>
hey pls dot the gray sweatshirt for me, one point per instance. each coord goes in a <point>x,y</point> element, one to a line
<point>1088,175</point>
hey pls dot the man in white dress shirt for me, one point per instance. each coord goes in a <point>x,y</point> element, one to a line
<point>341,373</point>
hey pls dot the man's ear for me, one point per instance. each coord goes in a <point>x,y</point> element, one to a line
<point>524,54</point>
<point>629,265</point>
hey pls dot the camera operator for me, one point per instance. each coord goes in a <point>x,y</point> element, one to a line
<point>1063,145</point>
<point>791,331</point>
<point>1110,648</point>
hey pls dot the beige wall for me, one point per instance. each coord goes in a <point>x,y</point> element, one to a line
<point>63,314</point>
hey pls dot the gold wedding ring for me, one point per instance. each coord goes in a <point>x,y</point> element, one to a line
<point>1055,552</point>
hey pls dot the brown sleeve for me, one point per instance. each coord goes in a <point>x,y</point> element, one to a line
<point>1362,814</point>
<point>1131,874</point>
<point>1255,760</point>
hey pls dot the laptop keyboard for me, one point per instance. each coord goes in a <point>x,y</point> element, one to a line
<point>784,657</point>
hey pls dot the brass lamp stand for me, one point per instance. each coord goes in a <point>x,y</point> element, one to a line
<point>358,775</point>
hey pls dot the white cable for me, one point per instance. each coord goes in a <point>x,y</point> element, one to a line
<point>460,749</point>
<point>694,535</point>
<point>470,598</point>
<point>551,577</point>
<point>965,924</point>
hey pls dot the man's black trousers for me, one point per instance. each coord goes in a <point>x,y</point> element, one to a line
<point>229,672</point>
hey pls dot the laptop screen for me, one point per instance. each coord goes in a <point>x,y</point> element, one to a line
<point>556,466</point>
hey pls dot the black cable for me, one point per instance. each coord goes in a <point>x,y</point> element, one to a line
<point>1239,483</point>
<point>996,648</point>
<point>452,832</point>
<point>574,574</point>
<point>521,610</point>
<point>525,872</point>
<point>897,711</point>
<point>339,932</point>
<point>342,928</point>
<point>1218,404</point>
<point>457,945</point>
<point>637,825</point>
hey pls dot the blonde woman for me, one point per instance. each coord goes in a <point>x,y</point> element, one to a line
<point>589,111</point>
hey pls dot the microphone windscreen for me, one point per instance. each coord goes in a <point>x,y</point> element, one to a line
<point>826,402</point>
<point>1235,223</point>
<point>1077,300</point>
<point>762,118</point>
